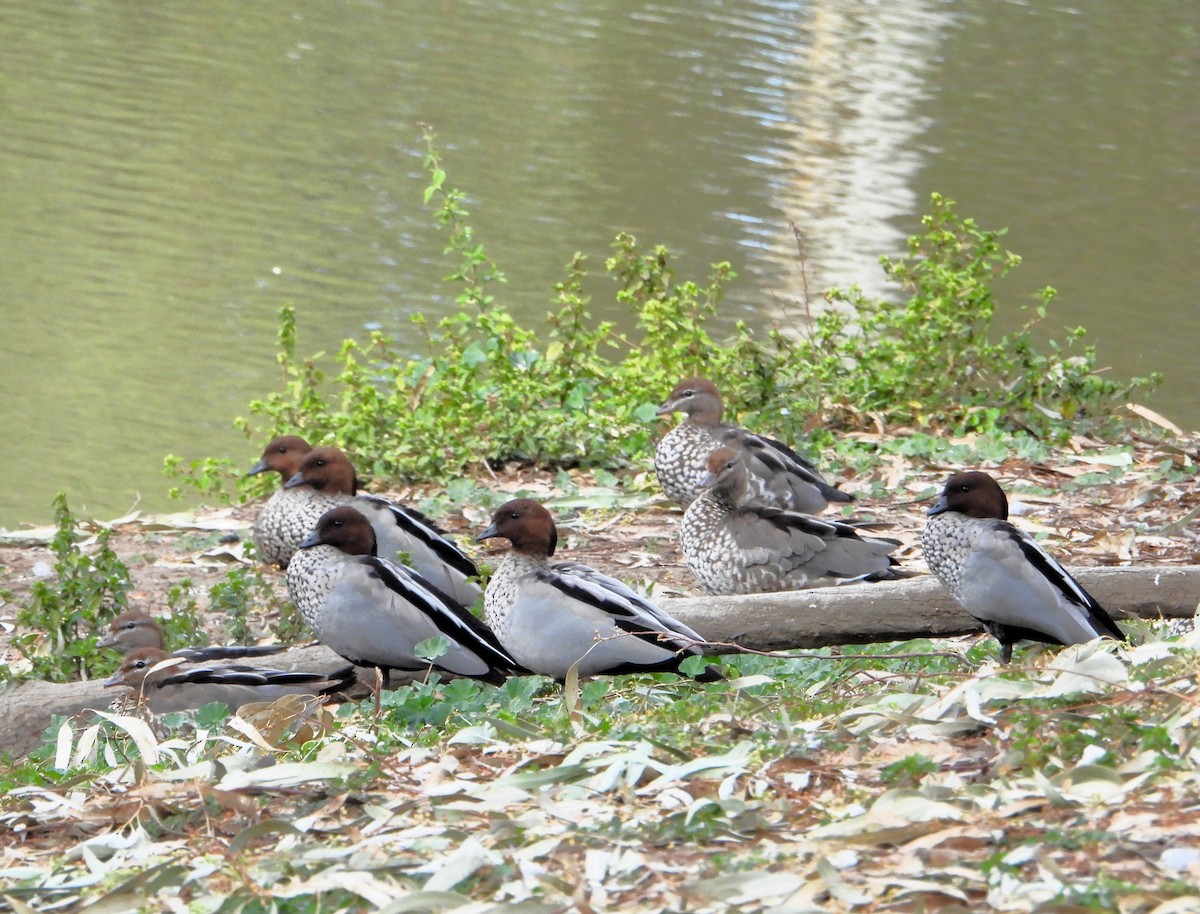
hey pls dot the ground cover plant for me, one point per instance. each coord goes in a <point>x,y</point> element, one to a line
<point>916,776</point>
<point>87,590</point>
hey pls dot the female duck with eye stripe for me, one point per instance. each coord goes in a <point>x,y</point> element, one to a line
<point>1001,576</point>
<point>165,683</point>
<point>551,617</point>
<point>777,474</point>
<point>133,629</point>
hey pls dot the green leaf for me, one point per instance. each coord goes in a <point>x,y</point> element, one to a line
<point>432,648</point>
<point>524,359</point>
<point>646,412</point>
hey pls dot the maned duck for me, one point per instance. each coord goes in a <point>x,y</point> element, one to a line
<point>133,628</point>
<point>1001,576</point>
<point>326,477</point>
<point>733,544</point>
<point>374,612</point>
<point>551,617</point>
<point>280,523</point>
<point>165,683</point>
<point>778,475</point>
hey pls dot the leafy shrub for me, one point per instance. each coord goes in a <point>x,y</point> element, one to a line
<point>928,360</point>
<point>56,629</point>
<point>582,393</point>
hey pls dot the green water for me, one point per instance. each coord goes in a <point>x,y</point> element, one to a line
<point>174,173</point>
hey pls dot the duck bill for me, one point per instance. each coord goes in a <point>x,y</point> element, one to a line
<point>666,409</point>
<point>487,534</point>
<point>938,507</point>
<point>260,467</point>
<point>296,480</point>
<point>313,539</point>
<point>116,679</point>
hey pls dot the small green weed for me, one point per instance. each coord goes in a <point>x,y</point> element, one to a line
<point>237,596</point>
<point>908,771</point>
<point>432,703</point>
<point>56,629</point>
<point>182,623</point>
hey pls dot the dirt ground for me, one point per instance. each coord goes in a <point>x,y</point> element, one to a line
<point>1103,509</point>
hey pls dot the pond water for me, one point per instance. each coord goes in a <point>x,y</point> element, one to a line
<point>173,173</point>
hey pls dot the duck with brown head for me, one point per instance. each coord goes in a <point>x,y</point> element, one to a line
<point>327,477</point>
<point>279,524</point>
<point>1001,576</point>
<point>553,616</point>
<point>374,612</point>
<point>776,474</point>
<point>316,480</point>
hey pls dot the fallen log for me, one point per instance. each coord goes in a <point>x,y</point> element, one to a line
<point>912,608</point>
<point>852,614</point>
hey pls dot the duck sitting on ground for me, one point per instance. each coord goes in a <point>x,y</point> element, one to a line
<point>280,524</point>
<point>164,683</point>
<point>735,545</point>
<point>326,480</point>
<point>1001,576</point>
<point>374,612</point>
<point>133,628</point>
<point>552,617</point>
<point>778,475</point>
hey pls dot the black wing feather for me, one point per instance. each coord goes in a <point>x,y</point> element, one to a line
<point>471,633</point>
<point>1071,589</point>
<point>623,617</point>
<point>421,528</point>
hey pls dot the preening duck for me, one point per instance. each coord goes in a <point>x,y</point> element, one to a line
<point>734,544</point>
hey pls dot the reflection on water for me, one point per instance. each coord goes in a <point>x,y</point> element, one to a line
<point>846,182</point>
<point>174,173</point>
